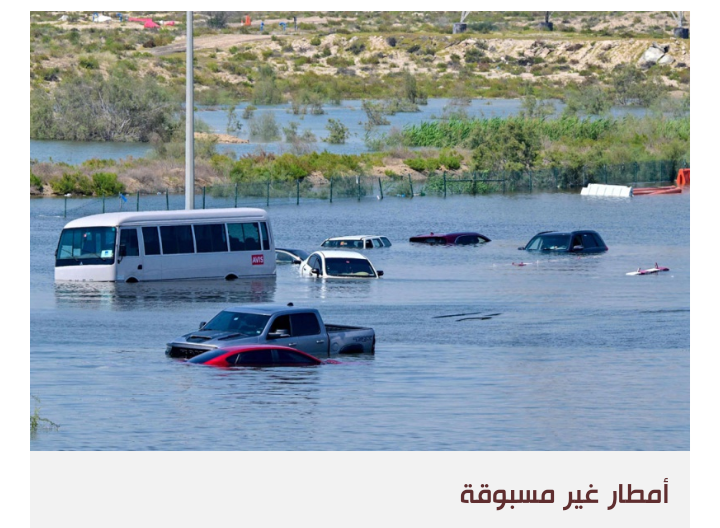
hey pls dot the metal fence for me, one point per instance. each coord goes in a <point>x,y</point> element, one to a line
<point>286,192</point>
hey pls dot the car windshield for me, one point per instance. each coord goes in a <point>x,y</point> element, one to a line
<point>348,267</point>
<point>557,242</point>
<point>242,323</point>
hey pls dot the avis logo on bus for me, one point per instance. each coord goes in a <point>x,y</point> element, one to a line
<point>258,260</point>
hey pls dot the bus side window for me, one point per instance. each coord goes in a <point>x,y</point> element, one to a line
<point>265,235</point>
<point>151,240</point>
<point>236,236</point>
<point>129,240</point>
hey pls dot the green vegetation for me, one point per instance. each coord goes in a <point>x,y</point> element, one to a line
<point>263,127</point>
<point>37,422</point>
<point>522,143</point>
<point>97,184</point>
<point>338,132</point>
<point>363,57</point>
<point>89,107</point>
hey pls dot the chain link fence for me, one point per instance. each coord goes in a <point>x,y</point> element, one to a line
<point>286,192</point>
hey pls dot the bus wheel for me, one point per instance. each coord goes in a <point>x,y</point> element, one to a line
<point>231,277</point>
<point>131,279</point>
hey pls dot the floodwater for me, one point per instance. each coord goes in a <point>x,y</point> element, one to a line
<point>473,353</point>
<point>349,113</point>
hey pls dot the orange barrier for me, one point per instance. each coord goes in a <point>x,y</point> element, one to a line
<point>247,20</point>
<point>656,190</point>
<point>683,177</point>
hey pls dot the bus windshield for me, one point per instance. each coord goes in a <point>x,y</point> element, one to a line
<point>86,245</point>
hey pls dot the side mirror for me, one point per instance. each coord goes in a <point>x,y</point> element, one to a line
<point>380,273</point>
<point>202,325</point>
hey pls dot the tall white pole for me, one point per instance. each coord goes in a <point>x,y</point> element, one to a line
<point>189,118</point>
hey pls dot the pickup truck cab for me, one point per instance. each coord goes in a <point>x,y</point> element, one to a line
<point>300,328</point>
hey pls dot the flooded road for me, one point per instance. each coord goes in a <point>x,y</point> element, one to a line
<point>473,353</point>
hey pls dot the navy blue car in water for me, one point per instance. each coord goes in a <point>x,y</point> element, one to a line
<point>567,242</point>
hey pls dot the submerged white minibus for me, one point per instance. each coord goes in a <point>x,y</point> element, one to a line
<point>166,245</point>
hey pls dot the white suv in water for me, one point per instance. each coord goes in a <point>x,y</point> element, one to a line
<point>357,242</point>
<point>338,265</point>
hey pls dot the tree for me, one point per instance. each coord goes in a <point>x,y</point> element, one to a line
<point>217,19</point>
<point>89,107</point>
<point>338,132</point>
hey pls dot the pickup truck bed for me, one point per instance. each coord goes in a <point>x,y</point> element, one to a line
<point>300,328</point>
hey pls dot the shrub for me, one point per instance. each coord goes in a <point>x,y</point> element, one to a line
<point>451,160</point>
<point>356,48</point>
<point>263,127</point>
<point>72,183</point>
<point>95,163</point>
<point>474,55</point>
<point>35,181</point>
<point>106,184</point>
<point>417,164</point>
<point>315,41</point>
<point>88,63</point>
<point>391,41</point>
<point>338,132</point>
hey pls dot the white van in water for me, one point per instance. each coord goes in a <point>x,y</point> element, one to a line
<point>166,245</point>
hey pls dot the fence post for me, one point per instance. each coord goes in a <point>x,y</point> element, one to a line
<point>358,187</point>
<point>137,202</point>
<point>554,169</point>
<point>167,199</point>
<point>381,191</point>
<point>65,212</point>
<point>297,202</point>
<point>444,184</point>
<point>412,192</point>
<point>103,200</point>
<point>236,192</point>
<point>203,197</point>
<point>267,196</point>
<point>636,168</point>
<point>332,178</point>
<point>474,189</point>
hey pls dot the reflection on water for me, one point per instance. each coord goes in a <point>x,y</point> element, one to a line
<point>473,352</point>
<point>148,295</point>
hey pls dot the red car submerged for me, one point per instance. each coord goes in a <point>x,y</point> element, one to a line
<point>257,356</point>
<point>466,238</point>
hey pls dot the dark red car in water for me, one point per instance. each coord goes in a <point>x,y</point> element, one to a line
<point>257,356</point>
<point>467,238</point>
